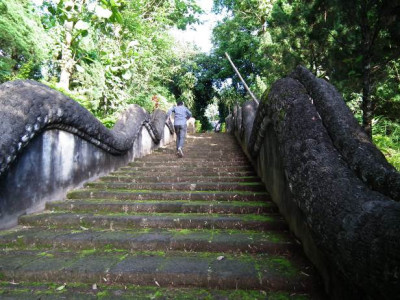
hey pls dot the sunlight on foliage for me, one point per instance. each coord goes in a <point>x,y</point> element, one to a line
<point>386,135</point>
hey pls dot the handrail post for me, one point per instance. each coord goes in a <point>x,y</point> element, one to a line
<point>241,78</point>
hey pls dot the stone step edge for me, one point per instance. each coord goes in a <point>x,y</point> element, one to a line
<point>158,220</point>
<point>172,192</point>
<point>179,186</point>
<point>72,290</point>
<point>187,172</point>
<point>169,180</point>
<point>184,174</point>
<point>211,270</point>
<point>152,240</point>
<point>155,206</point>
<point>167,195</point>
<point>186,178</point>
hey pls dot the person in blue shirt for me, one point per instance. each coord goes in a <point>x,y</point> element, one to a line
<point>182,114</point>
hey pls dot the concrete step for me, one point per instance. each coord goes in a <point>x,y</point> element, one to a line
<point>199,156</point>
<point>172,158</point>
<point>167,195</point>
<point>181,169</point>
<point>187,164</point>
<point>155,220</point>
<point>120,206</point>
<point>185,173</point>
<point>106,291</point>
<point>209,270</point>
<point>198,179</point>
<point>198,227</point>
<point>174,186</point>
<point>188,240</point>
<point>201,153</point>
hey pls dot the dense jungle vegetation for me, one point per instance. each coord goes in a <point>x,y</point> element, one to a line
<point>107,54</point>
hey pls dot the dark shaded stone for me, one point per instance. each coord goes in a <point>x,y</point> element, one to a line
<point>324,174</point>
<point>362,156</point>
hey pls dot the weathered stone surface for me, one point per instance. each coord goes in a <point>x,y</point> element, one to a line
<point>128,292</point>
<point>49,144</point>
<point>125,221</point>
<point>166,178</point>
<point>249,110</point>
<point>152,240</point>
<point>156,125</point>
<point>162,269</point>
<point>153,206</point>
<point>257,187</point>
<point>29,107</point>
<point>238,241</point>
<point>324,175</point>
<point>362,156</point>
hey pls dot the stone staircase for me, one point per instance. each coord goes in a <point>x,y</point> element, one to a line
<point>200,227</point>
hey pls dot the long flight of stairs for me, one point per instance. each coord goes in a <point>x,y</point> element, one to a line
<point>162,227</point>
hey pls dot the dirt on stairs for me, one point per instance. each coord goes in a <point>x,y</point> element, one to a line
<point>162,227</point>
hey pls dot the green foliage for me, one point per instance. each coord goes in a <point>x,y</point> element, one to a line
<point>23,43</point>
<point>197,125</point>
<point>386,135</point>
<point>355,45</point>
<point>136,61</point>
<point>25,72</point>
<point>388,92</point>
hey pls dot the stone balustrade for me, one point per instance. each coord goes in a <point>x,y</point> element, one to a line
<point>50,144</point>
<point>334,187</point>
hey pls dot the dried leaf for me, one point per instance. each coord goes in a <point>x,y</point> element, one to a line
<point>60,288</point>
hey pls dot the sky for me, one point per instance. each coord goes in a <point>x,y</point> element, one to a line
<point>200,34</point>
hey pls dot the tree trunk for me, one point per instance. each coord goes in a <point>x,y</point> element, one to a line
<point>367,103</point>
<point>367,46</point>
<point>67,61</point>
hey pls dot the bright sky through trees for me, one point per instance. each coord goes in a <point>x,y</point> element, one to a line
<point>200,34</point>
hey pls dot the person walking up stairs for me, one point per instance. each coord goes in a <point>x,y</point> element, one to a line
<point>201,227</point>
<point>181,115</point>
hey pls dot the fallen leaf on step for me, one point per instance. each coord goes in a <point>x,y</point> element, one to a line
<point>60,288</point>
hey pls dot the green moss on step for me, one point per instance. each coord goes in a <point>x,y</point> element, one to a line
<point>103,294</point>
<point>259,218</point>
<point>88,252</point>
<point>74,194</point>
<point>73,291</point>
<point>284,266</point>
<point>250,183</point>
<point>45,254</point>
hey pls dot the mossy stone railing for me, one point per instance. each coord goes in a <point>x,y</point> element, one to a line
<point>333,186</point>
<point>50,144</point>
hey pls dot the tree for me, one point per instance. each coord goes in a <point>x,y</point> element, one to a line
<point>73,19</point>
<point>365,38</point>
<point>22,39</point>
<point>354,44</point>
<point>112,53</point>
